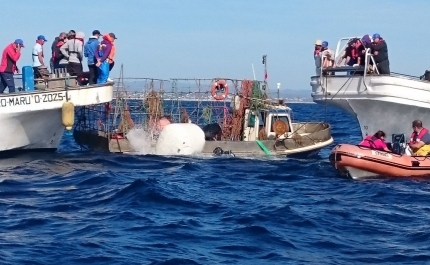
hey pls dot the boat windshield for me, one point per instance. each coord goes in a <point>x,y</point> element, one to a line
<point>282,118</point>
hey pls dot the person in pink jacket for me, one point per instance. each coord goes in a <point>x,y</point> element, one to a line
<point>377,141</point>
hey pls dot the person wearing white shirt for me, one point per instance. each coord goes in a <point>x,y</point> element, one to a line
<point>39,68</point>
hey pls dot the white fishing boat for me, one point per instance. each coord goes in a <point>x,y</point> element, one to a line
<point>32,120</point>
<point>379,102</point>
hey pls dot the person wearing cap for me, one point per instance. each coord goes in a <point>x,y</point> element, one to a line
<point>73,51</point>
<point>90,49</point>
<point>317,56</point>
<point>8,67</point>
<point>380,54</point>
<point>102,61</point>
<point>327,55</point>
<point>39,68</point>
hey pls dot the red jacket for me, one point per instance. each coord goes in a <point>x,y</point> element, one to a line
<point>9,58</point>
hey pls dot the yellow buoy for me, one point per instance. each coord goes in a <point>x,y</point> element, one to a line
<point>68,115</point>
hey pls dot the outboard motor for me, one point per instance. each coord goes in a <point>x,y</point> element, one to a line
<point>212,132</point>
<point>219,152</point>
<point>398,144</point>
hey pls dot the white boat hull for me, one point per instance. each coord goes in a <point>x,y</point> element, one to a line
<point>33,120</point>
<point>388,103</point>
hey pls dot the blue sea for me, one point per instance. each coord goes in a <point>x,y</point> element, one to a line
<point>80,207</point>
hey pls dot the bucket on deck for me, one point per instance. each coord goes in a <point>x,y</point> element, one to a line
<point>27,78</point>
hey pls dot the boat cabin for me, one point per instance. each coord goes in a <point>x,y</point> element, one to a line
<point>255,121</point>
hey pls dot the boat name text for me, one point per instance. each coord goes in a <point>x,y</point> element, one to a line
<point>32,99</point>
<point>378,153</point>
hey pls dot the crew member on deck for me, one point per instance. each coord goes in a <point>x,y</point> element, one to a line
<point>420,139</point>
<point>90,48</point>
<point>377,141</point>
<point>57,56</point>
<point>380,54</point>
<point>11,55</point>
<point>112,54</point>
<point>317,56</point>
<point>73,50</point>
<point>102,61</point>
<point>327,55</point>
<point>39,68</point>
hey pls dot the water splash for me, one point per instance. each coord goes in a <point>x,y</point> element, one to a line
<point>140,141</point>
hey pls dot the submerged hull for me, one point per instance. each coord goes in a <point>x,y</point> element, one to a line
<point>360,162</point>
<point>313,137</point>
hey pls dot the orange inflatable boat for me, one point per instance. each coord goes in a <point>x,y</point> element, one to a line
<point>361,162</point>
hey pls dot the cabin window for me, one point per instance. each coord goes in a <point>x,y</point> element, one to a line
<point>262,118</point>
<point>282,118</point>
<point>251,121</point>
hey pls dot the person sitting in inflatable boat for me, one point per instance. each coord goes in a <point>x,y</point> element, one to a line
<point>420,139</point>
<point>377,142</point>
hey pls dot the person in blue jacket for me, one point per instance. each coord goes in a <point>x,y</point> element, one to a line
<point>90,49</point>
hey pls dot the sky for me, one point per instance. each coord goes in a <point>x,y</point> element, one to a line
<point>222,38</point>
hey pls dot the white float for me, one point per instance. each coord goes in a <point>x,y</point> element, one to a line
<point>180,139</point>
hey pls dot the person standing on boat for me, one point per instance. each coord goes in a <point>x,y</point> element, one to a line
<point>327,55</point>
<point>39,68</point>
<point>380,54</point>
<point>90,48</point>
<point>57,56</point>
<point>376,141</point>
<point>112,55</point>
<point>420,139</point>
<point>317,56</point>
<point>102,55</point>
<point>73,51</point>
<point>8,67</point>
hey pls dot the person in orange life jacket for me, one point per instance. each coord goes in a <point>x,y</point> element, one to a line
<point>73,51</point>
<point>39,68</point>
<point>380,54</point>
<point>8,67</point>
<point>377,141</point>
<point>420,139</point>
<point>90,48</point>
<point>56,53</point>
<point>351,53</point>
<point>102,55</point>
<point>112,55</point>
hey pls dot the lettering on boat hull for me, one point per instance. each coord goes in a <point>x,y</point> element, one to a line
<point>31,99</point>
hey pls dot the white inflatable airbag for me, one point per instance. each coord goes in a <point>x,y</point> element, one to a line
<point>180,139</point>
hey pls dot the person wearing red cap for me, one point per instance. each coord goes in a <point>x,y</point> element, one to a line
<point>10,57</point>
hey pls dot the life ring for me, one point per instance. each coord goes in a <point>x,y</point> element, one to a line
<point>280,127</point>
<point>220,85</point>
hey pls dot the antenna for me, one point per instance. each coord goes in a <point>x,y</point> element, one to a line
<point>253,72</point>
<point>265,71</point>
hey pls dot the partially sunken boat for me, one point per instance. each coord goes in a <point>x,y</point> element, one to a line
<point>236,115</point>
<point>36,119</point>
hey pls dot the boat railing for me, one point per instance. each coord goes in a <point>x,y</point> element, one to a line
<point>339,51</point>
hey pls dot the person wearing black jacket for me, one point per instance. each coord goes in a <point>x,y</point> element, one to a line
<point>380,54</point>
<point>55,51</point>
